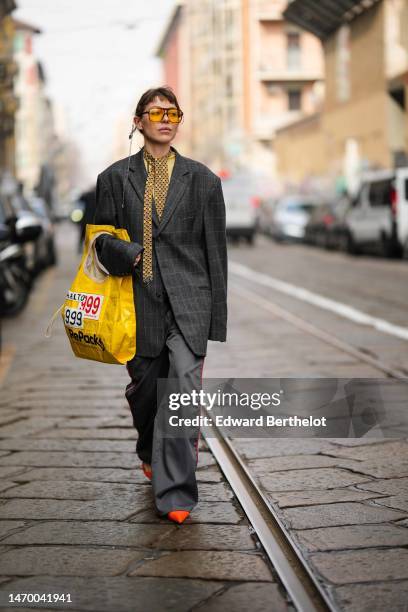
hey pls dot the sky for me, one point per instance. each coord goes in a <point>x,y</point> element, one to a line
<point>98,57</point>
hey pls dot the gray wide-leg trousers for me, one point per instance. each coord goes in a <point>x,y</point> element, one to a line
<point>172,452</point>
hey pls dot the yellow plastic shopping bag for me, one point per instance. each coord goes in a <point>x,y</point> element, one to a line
<point>99,313</point>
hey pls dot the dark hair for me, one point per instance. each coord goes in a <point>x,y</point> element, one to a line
<point>156,92</point>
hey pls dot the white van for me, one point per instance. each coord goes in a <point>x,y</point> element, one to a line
<point>401,206</point>
<point>241,204</point>
<point>378,218</point>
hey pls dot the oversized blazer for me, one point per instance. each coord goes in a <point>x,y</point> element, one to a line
<point>189,250</point>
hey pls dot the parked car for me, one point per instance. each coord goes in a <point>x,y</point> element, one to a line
<point>400,205</point>
<point>290,217</point>
<point>241,203</point>
<point>378,218</point>
<point>326,224</point>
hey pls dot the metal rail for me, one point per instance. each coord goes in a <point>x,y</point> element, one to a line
<point>300,583</point>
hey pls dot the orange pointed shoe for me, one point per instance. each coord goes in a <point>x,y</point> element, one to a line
<point>178,516</point>
<point>146,471</point>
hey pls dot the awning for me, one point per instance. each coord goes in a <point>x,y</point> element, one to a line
<point>322,17</point>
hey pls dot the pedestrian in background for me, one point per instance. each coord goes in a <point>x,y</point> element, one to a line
<point>174,211</point>
<point>88,202</point>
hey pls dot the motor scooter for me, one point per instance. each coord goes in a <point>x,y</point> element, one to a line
<point>15,278</point>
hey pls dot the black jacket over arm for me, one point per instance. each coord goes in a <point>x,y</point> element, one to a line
<point>117,256</point>
<point>189,251</point>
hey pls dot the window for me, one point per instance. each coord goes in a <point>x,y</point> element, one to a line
<point>296,206</point>
<point>379,193</point>
<point>294,99</point>
<point>229,19</point>
<point>228,86</point>
<point>293,50</point>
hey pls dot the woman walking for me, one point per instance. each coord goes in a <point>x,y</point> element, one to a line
<point>173,209</point>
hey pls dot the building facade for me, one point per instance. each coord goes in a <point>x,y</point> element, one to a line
<point>8,101</point>
<point>35,137</point>
<point>243,71</point>
<point>364,118</point>
<point>285,76</point>
<point>174,52</point>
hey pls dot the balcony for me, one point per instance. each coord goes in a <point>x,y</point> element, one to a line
<point>269,72</point>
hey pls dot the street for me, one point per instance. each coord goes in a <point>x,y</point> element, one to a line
<point>76,511</point>
<point>252,157</point>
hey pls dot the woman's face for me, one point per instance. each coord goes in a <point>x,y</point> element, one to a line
<point>160,132</point>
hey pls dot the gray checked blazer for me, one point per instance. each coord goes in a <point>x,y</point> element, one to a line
<point>189,251</point>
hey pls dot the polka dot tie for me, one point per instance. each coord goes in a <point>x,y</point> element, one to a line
<point>157,185</point>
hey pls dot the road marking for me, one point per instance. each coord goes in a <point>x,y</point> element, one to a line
<point>326,337</point>
<point>343,310</point>
<point>6,359</point>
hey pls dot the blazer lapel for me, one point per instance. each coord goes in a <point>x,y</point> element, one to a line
<point>177,185</point>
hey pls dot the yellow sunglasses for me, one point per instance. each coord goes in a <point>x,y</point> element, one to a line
<point>156,114</point>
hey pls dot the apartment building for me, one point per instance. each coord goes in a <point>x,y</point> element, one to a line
<point>364,118</point>
<point>243,71</point>
<point>8,101</point>
<point>173,50</point>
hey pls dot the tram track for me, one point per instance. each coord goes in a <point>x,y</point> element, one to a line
<point>301,584</point>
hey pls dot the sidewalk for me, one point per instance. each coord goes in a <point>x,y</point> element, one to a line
<point>76,511</point>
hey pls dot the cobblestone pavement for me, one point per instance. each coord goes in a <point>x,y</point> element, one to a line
<point>344,501</point>
<point>76,513</point>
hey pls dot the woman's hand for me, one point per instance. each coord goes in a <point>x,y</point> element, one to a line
<point>137,259</point>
